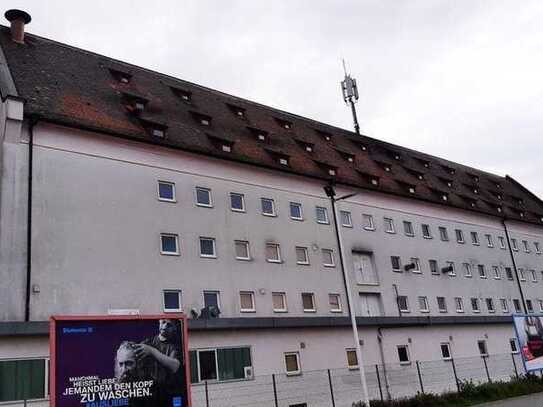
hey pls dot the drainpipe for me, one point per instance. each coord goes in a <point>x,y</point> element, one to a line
<point>514,265</point>
<point>382,355</point>
<point>397,299</point>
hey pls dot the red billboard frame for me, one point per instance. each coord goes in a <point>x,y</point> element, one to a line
<point>52,343</point>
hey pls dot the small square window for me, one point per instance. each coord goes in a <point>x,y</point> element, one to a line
<point>443,234</point>
<point>273,253</point>
<point>389,225</point>
<point>467,269</point>
<point>166,191</point>
<point>482,270</point>
<point>169,244</point>
<point>514,244</point>
<point>237,202</point>
<point>408,228</point>
<point>514,345</point>
<point>433,266</point>
<point>335,302</point>
<point>426,231</point>
<point>474,238</point>
<point>516,305</point>
<point>172,300</point>
<point>489,240</point>
<point>321,215</point>
<point>441,304</point>
<point>247,301</point>
<point>352,359</point>
<point>268,207</point>
<point>459,304</point>
<point>501,241</point>
<point>302,256</point>
<point>396,263</point>
<point>475,305</point>
<point>490,305</point>
<point>423,305</point>
<point>505,307</point>
<point>242,250</point>
<point>203,197</point>
<point>446,351</point>
<point>292,363</point>
<point>459,235</point>
<point>296,211</point>
<point>496,271</point>
<point>207,247</point>
<point>367,222</point>
<point>483,351</point>
<point>403,303</point>
<point>328,258</point>
<point>279,300</point>
<point>403,355</point>
<point>308,302</point>
<point>346,219</point>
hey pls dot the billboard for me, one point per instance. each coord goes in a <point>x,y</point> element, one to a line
<point>529,329</point>
<point>137,361</point>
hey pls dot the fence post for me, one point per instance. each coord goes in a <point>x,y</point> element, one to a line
<point>274,390</point>
<point>331,388</point>
<point>420,377</point>
<point>514,364</point>
<point>207,395</point>
<point>379,381</point>
<point>486,368</point>
<point>455,375</point>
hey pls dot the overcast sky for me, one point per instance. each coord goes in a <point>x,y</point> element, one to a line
<point>458,79</point>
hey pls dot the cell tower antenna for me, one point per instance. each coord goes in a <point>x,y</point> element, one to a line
<point>349,90</point>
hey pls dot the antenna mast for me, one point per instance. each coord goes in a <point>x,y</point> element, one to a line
<point>350,95</point>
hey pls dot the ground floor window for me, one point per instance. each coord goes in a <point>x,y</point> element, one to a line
<point>292,363</point>
<point>23,379</point>
<point>220,364</point>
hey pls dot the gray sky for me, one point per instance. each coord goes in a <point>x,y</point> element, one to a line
<point>460,79</point>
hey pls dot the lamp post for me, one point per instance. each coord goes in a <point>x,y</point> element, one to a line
<point>331,193</point>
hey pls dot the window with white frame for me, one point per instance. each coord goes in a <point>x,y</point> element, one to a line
<point>537,248</point>
<point>166,191</point>
<point>237,202</point>
<point>346,219</point>
<point>416,262</point>
<point>505,306</point>
<point>514,345</point>
<point>516,305</point>
<point>475,238</point>
<point>389,225</point>
<point>529,306</point>
<point>423,304</point>
<point>467,269</point>
<point>292,363</point>
<point>396,263</point>
<point>433,266</point>
<point>169,244</point>
<point>426,231</point>
<point>459,304</point>
<point>334,300</point>
<point>526,246</point>
<point>203,197</point>
<point>328,258</point>
<point>302,255</point>
<point>534,276</point>
<point>403,354</point>
<point>367,222</point>
<point>403,303</point>
<point>211,299</point>
<point>352,359</point>
<point>273,253</point>
<point>308,302</point>
<point>497,274</point>
<point>279,302</point>
<point>446,351</point>
<point>171,300</point>
<point>509,273</point>
<point>441,304</point>
<point>296,211</point>
<point>24,379</point>
<point>321,214</point>
<point>475,305</point>
<point>501,241</point>
<point>459,235</point>
<point>408,228</point>
<point>489,241</point>
<point>481,345</point>
<point>490,305</point>
<point>207,247</point>
<point>482,270</point>
<point>267,206</point>
<point>242,250</point>
<point>247,301</point>
<point>452,268</point>
<point>522,274</point>
<point>514,244</point>
<point>443,234</point>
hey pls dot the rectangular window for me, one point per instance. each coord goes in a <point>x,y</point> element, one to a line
<point>482,270</point>
<point>308,302</point>
<point>302,256</point>
<point>509,273</point>
<point>446,351</point>
<point>328,258</point>
<point>416,262</point>
<point>346,219</point>
<point>203,197</point>
<point>367,222</point>
<point>403,303</point>
<point>529,306</point>
<point>279,301</point>
<point>514,244</point>
<point>242,250</point>
<point>514,346</point>
<point>467,269</point>
<point>23,379</point>
<point>237,202</point>
<point>389,225</point>
<point>321,214</point>
<point>475,305</point>
<point>490,305</point>
<point>459,235</point>
<point>443,234</point>
<point>296,211</point>
<point>537,247</point>
<point>352,359</point>
<point>166,191</point>
<point>169,244</point>
<point>522,275</point>
<point>489,241</point>
<point>220,364</point>
<point>497,274</point>
<point>475,238</point>
<point>247,301</point>
<point>408,228</point>
<point>207,247</point>
<point>534,276</point>
<point>423,304</point>
<point>211,300</point>
<point>452,269</point>
<point>403,354</point>
<point>335,302</point>
<point>505,307</point>
<point>459,304</point>
<point>396,263</point>
<point>482,348</point>
<point>426,232</point>
<point>268,207</point>
<point>441,304</point>
<point>273,253</point>
<point>540,305</point>
<point>433,266</point>
<point>292,363</point>
<point>516,304</point>
<point>172,300</point>
<point>526,246</point>
<point>501,241</point>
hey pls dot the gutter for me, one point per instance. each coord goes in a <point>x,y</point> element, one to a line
<point>514,265</point>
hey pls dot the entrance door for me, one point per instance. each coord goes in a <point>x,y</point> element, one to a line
<point>370,305</point>
<point>364,271</point>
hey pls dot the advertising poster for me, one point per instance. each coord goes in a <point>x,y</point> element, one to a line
<point>138,361</point>
<point>529,330</point>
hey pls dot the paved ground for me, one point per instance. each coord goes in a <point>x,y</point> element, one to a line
<point>533,400</point>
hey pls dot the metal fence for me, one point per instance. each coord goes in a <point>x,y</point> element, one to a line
<point>341,387</point>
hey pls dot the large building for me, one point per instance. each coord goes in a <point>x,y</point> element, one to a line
<point>126,189</point>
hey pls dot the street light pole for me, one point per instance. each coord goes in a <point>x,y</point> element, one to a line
<point>330,192</point>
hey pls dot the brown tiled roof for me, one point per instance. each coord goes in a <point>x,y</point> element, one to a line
<point>74,87</point>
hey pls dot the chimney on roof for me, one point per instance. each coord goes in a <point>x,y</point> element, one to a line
<point>18,19</point>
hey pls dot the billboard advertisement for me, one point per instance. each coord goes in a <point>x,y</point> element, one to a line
<point>138,361</point>
<point>529,330</point>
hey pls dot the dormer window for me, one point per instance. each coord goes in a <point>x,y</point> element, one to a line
<point>447,182</point>
<point>284,123</point>
<point>222,142</point>
<point>156,132</point>
<point>283,160</point>
<point>154,129</point>
<point>473,204</point>
<point>474,177</point>
<point>375,181</point>
<point>424,163</point>
<point>260,135</point>
<point>306,146</point>
<point>324,134</point>
<point>499,209</point>
<point>226,148</point>
<point>134,102</point>
<point>120,76</point>
<point>521,214</point>
<point>238,111</point>
<point>475,191</point>
<point>499,196</point>
<point>203,119</point>
<point>445,197</point>
<point>449,170</point>
<point>182,94</point>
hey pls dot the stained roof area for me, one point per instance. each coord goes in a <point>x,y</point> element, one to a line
<point>78,88</point>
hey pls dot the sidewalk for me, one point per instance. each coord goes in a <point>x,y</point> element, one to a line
<point>531,400</point>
